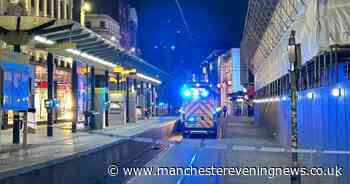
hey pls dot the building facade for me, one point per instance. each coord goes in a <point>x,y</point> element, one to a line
<point>225,78</point>
<point>127,17</point>
<point>67,69</point>
<point>104,25</point>
<point>124,12</point>
<point>59,9</point>
<point>320,29</point>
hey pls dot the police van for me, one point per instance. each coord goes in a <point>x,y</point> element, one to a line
<point>198,110</point>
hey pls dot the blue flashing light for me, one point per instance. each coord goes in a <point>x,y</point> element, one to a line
<point>187,93</point>
<point>204,93</point>
<point>191,119</point>
<point>195,93</point>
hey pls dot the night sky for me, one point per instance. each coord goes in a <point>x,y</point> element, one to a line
<point>164,41</point>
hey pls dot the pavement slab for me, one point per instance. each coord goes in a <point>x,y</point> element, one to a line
<point>44,151</point>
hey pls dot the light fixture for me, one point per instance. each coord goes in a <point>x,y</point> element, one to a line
<point>86,6</point>
<point>276,99</point>
<point>148,78</point>
<point>43,40</point>
<point>204,93</point>
<point>336,92</point>
<point>187,93</point>
<point>195,93</point>
<point>310,95</point>
<point>90,57</point>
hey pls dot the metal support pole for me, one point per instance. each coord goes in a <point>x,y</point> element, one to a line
<point>1,122</point>
<point>16,128</point>
<point>25,128</point>
<point>92,85</point>
<point>153,102</point>
<point>142,100</point>
<point>16,119</point>
<point>127,105</point>
<point>50,93</point>
<point>118,82</point>
<point>75,95</point>
<point>294,57</point>
<point>107,97</point>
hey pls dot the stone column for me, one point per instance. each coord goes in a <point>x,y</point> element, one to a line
<point>29,6</point>
<point>70,9</point>
<point>45,8</point>
<point>52,11</point>
<point>2,6</point>
<point>65,9</point>
<point>36,8</point>
<point>58,9</point>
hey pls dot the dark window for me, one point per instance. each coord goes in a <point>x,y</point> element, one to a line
<point>102,24</point>
<point>55,8</point>
<point>33,3</point>
<point>41,5</point>
<point>88,24</point>
<point>67,11</point>
<point>48,8</point>
<point>62,9</point>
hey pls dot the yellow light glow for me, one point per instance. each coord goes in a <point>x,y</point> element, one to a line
<point>85,70</point>
<point>87,7</point>
<point>118,69</point>
<point>113,79</point>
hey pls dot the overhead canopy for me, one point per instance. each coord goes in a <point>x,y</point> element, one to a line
<point>85,40</point>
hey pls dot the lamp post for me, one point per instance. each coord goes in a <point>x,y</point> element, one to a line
<point>86,7</point>
<point>294,60</point>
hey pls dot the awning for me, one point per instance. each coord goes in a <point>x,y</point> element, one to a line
<point>90,43</point>
<point>48,31</point>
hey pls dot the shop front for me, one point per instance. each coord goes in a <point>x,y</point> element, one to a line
<point>82,91</point>
<point>63,94</point>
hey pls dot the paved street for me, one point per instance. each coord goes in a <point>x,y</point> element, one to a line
<point>236,132</point>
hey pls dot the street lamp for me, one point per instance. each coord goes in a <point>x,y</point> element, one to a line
<point>294,60</point>
<point>85,7</point>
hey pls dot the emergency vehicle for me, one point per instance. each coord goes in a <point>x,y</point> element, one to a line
<point>198,110</point>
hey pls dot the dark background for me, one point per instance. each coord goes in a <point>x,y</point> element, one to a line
<point>164,41</point>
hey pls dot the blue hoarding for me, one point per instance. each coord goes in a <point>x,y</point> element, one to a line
<point>15,86</point>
